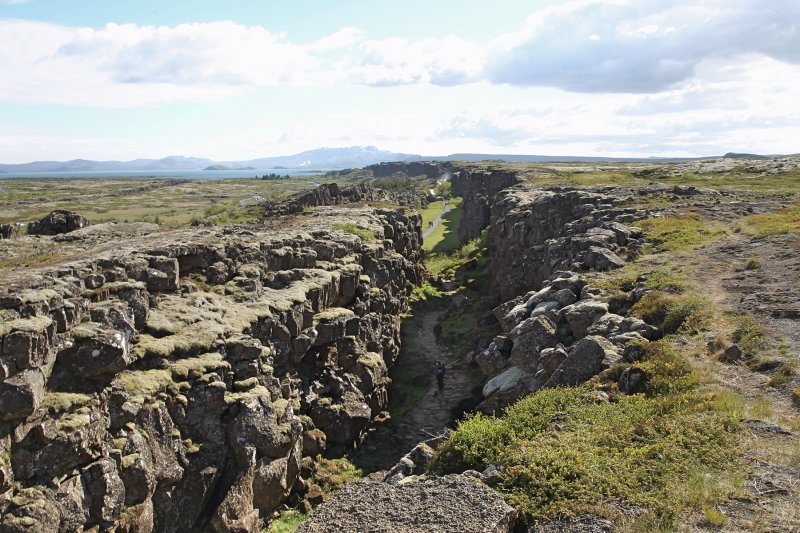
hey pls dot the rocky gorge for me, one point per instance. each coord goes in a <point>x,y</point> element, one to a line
<point>188,379</point>
<point>176,384</point>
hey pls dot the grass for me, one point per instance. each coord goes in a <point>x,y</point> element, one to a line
<point>445,237</point>
<point>564,453</point>
<point>354,229</point>
<point>677,233</point>
<point>780,222</point>
<point>684,313</point>
<point>288,522</point>
<point>446,264</point>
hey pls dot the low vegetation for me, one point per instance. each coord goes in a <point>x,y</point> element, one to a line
<point>677,233</point>
<point>354,229</point>
<point>563,452</point>
<point>288,522</point>
<point>778,223</point>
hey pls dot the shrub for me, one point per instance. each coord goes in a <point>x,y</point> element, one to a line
<point>686,313</point>
<point>562,451</point>
<point>754,263</point>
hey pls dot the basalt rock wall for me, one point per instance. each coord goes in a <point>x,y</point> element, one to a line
<point>414,168</point>
<point>535,232</point>
<point>175,383</point>
<point>478,190</point>
<point>326,194</point>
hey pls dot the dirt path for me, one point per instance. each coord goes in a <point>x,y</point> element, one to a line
<point>436,221</point>
<point>418,408</point>
<point>433,410</point>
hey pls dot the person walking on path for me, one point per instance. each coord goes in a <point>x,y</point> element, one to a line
<point>437,332</point>
<point>440,374</point>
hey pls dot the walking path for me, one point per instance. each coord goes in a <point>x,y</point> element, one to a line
<point>436,221</point>
<point>423,412</point>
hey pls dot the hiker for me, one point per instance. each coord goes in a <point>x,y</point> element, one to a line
<point>440,374</point>
<point>437,332</point>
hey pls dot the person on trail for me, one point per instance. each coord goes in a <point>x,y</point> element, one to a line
<point>437,332</point>
<point>440,374</point>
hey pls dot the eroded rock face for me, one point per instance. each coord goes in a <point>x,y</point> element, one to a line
<point>478,189</point>
<point>326,194</point>
<point>172,385</point>
<point>535,232</point>
<point>546,343</point>
<point>57,222</point>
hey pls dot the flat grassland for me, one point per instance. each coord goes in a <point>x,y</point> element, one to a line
<point>170,202</point>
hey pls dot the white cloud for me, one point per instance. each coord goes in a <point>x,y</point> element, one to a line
<point>592,46</point>
<point>640,47</point>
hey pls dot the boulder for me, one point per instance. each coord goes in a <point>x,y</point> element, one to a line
<point>633,380</point>
<point>8,231</point>
<point>587,358</point>
<point>581,315</point>
<point>58,222</point>
<point>21,394</point>
<point>530,337</point>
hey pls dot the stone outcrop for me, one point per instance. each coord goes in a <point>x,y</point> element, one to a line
<point>428,169</point>
<point>8,231</point>
<point>326,194</point>
<point>478,189</point>
<point>536,232</point>
<point>57,222</point>
<point>449,504</point>
<point>553,340</point>
<point>175,383</point>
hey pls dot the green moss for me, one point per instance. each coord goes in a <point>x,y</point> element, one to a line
<point>129,460</point>
<point>142,385</point>
<point>333,313</point>
<point>191,447</point>
<point>371,360</point>
<point>73,422</point>
<point>61,402</point>
<point>34,324</point>
<point>245,384</point>
<point>333,474</point>
<point>354,229</point>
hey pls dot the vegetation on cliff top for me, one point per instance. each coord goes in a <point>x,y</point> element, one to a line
<point>567,451</point>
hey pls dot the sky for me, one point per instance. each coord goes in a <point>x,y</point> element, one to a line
<point>243,79</point>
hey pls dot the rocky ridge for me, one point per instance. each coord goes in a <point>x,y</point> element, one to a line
<point>175,383</point>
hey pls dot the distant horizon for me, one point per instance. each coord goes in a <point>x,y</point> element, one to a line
<point>420,157</point>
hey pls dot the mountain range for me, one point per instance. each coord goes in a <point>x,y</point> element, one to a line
<point>321,158</point>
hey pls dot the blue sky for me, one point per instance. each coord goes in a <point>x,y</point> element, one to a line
<point>244,79</point>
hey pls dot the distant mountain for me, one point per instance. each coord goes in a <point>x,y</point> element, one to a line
<point>321,158</point>
<point>329,158</point>
<point>85,165</point>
